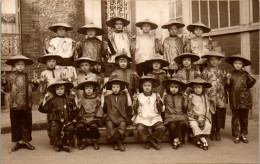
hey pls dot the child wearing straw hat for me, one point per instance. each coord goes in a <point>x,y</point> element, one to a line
<point>148,107</point>
<point>145,46</point>
<point>61,111</point>
<point>217,76</point>
<point>20,88</point>
<point>240,98</point>
<point>89,117</point>
<point>118,107</point>
<point>175,110</point>
<point>199,111</point>
<point>172,45</point>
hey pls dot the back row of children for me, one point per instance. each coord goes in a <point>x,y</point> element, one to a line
<point>75,102</point>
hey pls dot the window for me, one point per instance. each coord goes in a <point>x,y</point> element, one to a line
<point>255,11</point>
<point>216,14</point>
<point>175,10</point>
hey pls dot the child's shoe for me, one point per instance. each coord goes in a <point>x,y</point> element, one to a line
<point>83,146</point>
<point>212,136</point>
<point>175,145</point>
<point>243,138</point>
<point>28,146</point>
<point>95,145</point>
<point>116,146</point>
<point>16,147</point>
<point>205,146</point>
<point>217,135</point>
<point>66,148</point>
<point>198,143</point>
<point>58,148</point>
<point>120,145</point>
<point>147,145</point>
<point>237,140</point>
<point>155,145</point>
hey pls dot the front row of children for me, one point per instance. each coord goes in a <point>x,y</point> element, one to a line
<point>186,102</point>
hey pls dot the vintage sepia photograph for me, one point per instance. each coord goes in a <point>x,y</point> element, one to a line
<point>129,81</point>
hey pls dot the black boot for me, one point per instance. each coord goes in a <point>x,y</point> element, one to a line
<point>154,144</point>
<point>16,147</point>
<point>28,146</point>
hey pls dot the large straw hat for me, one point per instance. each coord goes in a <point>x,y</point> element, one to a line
<point>43,59</point>
<point>154,81</point>
<point>174,80</point>
<point>17,58</point>
<point>111,22</point>
<point>171,23</point>
<point>56,25</point>
<point>84,59</point>
<point>84,83</point>
<point>199,81</point>
<point>123,84</point>
<point>83,29</point>
<point>68,85</point>
<point>158,58</point>
<point>213,53</point>
<point>191,27</point>
<point>232,58</point>
<point>180,58</point>
<point>146,21</point>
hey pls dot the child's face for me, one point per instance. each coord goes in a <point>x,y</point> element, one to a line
<point>85,67</point>
<point>122,62</point>
<point>214,61</point>
<point>61,31</point>
<point>173,30</point>
<point>89,89</point>
<point>186,62</point>
<point>115,88</point>
<point>156,65</point>
<point>51,63</point>
<point>119,25</point>
<point>238,64</point>
<point>174,88</point>
<point>146,28</point>
<point>19,66</point>
<point>198,89</point>
<point>60,90</point>
<point>91,33</point>
<point>198,31</point>
<point>147,86</point>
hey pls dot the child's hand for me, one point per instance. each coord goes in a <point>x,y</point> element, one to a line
<point>168,75</point>
<point>135,96</point>
<point>126,91</point>
<point>134,74</point>
<point>104,92</point>
<point>158,95</point>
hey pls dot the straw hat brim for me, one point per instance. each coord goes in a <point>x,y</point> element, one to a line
<point>164,63</point>
<point>55,26</point>
<point>16,59</point>
<point>168,25</point>
<point>43,59</point>
<point>180,58</point>
<point>154,81</point>
<point>199,81</point>
<point>192,27</point>
<point>83,30</point>
<point>67,84</point>
<point>83,84</point>
<point>167,82</point>
<point>122,84</point>
<point>123,56</point>
<point>140,24</point>
<point>111,22</point>
<point>231,59</point>
<point>84,59</point>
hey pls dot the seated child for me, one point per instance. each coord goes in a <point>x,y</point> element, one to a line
<point>217,76</point>
<point>199,112</point>
<point>117,106</point>
<point>157,63</point>
<point>148,107</point>
<point>239,83</point>
<point>89,115</point>
<point>175,111</point>
<point>61,111</point>
<point>20,88</point>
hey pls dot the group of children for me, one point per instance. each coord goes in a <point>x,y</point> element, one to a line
<point>176,86</point>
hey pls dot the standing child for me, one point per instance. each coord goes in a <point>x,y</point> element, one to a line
<point>172,45</point>
<point>175,111</point>
<point>118,39</point>
<point>20,89</point>
<point>145,46</point>
<point>157,63</point>
<point>240,98</point>
<point>89,115</point>
<point>148,107</point>
<point>216,76</point>
<point>199,109</point>
<point>61,111</point>
<point>117,106</point>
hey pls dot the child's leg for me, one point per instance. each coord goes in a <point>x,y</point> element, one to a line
<point>172,128</point>
<point>207,128</point>
<point>235,122</point>
<point>158,131</point>
<point>16,129</point>
<point>183,129</point>
<point>121,130</point>
<point>69,133</point>
<point>143,132</point>
<point>95,135</point>
<point>214,124</point>
<point>244,124</point>
<point>81,134</point>
<point>221,118</point>
<point>26,121</point>
<point>194,125</point>
<point>110,134</point>
<point>55,134</point>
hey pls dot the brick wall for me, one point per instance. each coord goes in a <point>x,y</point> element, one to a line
<point>254,47</point>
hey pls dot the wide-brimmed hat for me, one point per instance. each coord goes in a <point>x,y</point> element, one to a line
<point>68,85</point>
<point>43,59</point>
<point>154,81</point>
<point>84,59</point>
<point>192,56</point>
<point>171,23</point>
<point>83,29</point>
<point>174,80</point>
<point>213,53</point>
<point>232,58</point>
<point>111,22</point>
<point>17,58</point>
<point>84,83</point>
<point>158,58</point>
<point>199,81</point>
<point>56,25</point>
<point>191,27</point>
<point>123,84</point>
<point>146,21</point>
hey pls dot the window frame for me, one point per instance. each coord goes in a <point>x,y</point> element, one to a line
<point>175,10</point>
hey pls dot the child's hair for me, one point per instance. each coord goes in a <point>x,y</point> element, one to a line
<point>89,85</point>
<point>66,90</point>
<point>128,63</point>
<point>141,85</point>
<point>168,87</point>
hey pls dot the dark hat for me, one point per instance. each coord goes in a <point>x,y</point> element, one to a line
<point>232,58</point>
<point>84,83</point>
<point>68,85</point>
<point>123,55</point>
<point>111,22</point>
<point>193,57</point>
<point>83,29</point>
<point>154,81</point>
<point>56,25</point>
<point>43,59</point>
<point>158,58</point>
<point>17,58</point>
<point>146,21</point>
<point>122,83</point>
<point>171,23</point>
<point>84,59</point>
<point>191,27</point>
<point>199,81</point>
<point>174,80</point>
<point>213,53</point>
